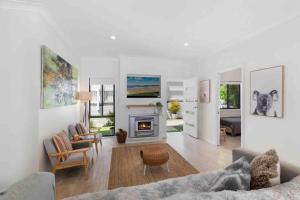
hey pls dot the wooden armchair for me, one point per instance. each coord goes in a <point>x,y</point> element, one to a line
<point>85,135</point>
<point>60,159</point>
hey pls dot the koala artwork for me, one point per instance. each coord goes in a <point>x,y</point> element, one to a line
<point>265,102</point>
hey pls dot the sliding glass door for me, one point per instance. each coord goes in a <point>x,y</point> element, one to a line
<point>102,109</point>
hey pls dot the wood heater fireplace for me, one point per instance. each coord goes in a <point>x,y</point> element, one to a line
<point>143,126</point>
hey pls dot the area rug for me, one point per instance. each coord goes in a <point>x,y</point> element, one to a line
<point>127,167</point>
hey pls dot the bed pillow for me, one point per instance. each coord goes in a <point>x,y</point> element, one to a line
<point>265,170</point>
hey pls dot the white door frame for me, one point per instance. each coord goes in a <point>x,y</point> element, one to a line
<point>242,103</point>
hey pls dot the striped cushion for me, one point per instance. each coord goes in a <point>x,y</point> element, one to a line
<point>64,136</point>
<point>72,130</point>
<point>83,128</point>
<point>78,128</point>
<point>60,146</point>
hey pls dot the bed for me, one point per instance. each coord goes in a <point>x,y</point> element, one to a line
<point>232,125</point>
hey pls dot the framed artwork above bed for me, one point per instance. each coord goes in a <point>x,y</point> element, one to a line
<point>267,91</point>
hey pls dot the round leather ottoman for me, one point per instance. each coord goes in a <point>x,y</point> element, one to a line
<point>154,156</point>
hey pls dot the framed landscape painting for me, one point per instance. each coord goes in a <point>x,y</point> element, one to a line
<point>266,91</point>
<point>59,80</point>
<point>205,91</point>
<point>143,86</point>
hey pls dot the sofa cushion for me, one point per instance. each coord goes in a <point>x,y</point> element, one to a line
<point>265,170</point>
<point>60,146</point>
<point>81,129</point>
<point>78,157</point>
<point>64,136</point>
<point>72,130</point>
<point>50,148</point>
<point>296,179</point>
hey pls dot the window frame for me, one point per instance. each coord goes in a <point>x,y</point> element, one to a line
<point>239,102</point>
<point>102,106</point>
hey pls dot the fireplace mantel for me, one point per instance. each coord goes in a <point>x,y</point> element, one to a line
<point>140,106</point>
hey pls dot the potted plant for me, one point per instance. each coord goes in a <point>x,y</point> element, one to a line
<point>174,108</point>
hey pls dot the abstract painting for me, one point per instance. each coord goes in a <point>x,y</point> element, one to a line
<point>267,92</point>
<point>59,80</point>
<point>205,91</point>
<point>143,86</point>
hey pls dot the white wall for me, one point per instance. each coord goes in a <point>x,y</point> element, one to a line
<point>278,45</point>
<point>230,112</point>
<point>231,75</point>
<point>23,124</point>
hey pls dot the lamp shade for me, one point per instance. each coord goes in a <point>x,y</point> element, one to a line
<point>84,96</point>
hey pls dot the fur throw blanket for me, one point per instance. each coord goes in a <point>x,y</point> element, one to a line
<point>235,177</point>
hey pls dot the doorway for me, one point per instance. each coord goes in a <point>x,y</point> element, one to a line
<point>230,106</point>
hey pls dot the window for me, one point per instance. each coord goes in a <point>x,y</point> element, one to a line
<point>230,96</point>
<point>102,109</point>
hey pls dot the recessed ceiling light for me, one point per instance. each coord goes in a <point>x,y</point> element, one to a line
<point>186,44</point>
<point>113,37</point>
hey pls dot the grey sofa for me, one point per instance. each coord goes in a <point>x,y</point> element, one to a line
<point>38,186</point>
<point>41,186</point>
<point>287,173</point>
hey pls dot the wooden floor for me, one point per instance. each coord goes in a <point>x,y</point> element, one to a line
<point>231,142</point>
<point>203,156</point>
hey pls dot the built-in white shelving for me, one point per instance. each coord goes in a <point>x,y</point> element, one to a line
<point>175,89</point>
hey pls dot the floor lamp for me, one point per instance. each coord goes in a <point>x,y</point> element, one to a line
<point>85,97</point>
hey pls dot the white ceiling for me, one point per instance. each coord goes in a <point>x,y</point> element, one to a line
<point>160,27</point>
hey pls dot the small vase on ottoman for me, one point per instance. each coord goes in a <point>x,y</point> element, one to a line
<point>121,136</point>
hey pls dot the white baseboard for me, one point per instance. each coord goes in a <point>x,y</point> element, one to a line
<point>207,140</point>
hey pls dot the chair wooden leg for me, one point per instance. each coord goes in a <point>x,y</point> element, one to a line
<point>96,146</point>
<point>145,168</point>
<point>86,171</point>
<point>86,166</point>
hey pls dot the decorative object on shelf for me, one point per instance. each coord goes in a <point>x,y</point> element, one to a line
<point>59,80</point>
<point>205,91</point>
<point>267,91</point>
<point>121,136</point>
<point>143,86</point>
<point>174,107</point>
<point>84,96</point>
<point>158,107</point>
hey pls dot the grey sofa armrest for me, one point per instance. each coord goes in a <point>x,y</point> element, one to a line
<point>287,171</point>
<point>38,186</point>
